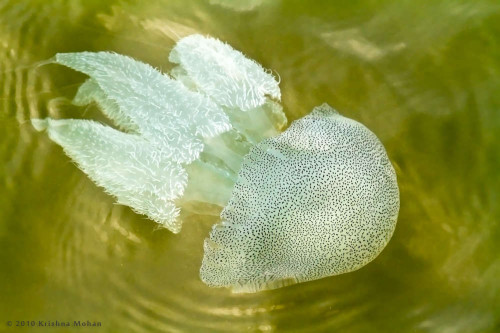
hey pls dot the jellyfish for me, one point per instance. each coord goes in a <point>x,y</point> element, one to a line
<point>315,200</point>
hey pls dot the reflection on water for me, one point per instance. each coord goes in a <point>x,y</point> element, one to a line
<point>424,76</point>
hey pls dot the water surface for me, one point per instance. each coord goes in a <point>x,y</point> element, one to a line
<point>424,76</point>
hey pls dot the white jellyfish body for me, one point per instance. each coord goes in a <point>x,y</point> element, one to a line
<point>319,199</point>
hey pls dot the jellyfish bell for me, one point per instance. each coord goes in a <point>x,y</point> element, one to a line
<point>318,199</point>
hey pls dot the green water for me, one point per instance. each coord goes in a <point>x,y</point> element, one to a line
<point>423,75</point>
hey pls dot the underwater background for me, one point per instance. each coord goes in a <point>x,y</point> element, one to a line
<point>423,76</point>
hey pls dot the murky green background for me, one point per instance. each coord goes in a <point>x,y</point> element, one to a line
<point>423,75</point>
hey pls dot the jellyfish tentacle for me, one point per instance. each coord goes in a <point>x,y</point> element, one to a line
<point>165,111</point>
<point>223,73</point>
<point>238,84</point>
<point>125,165</point>
<point>172,121</point>
<point>90,92</point>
